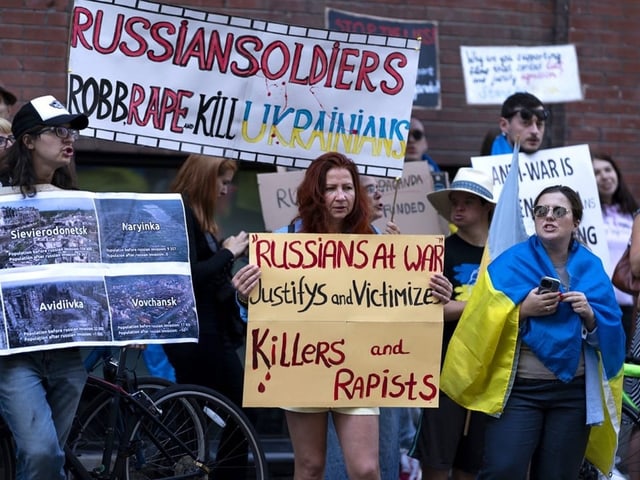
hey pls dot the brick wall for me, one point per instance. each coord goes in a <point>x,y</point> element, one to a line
<point>34,45</point>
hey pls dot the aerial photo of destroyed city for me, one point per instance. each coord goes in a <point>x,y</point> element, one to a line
<point>48,231</point>
<point>142,230</point>
<point>152,307</point>
<point>50,312</point>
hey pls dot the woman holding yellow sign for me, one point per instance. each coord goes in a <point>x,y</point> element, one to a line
<point>331,199</point>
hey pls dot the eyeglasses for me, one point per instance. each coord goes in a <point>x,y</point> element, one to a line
<point>542,211</point>
<point>527,114</point>
<point>371,189</point>
<point>62,132</point>
<point>6,142</point>
<point>417,135</point>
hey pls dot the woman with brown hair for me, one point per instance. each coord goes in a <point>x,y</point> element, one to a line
<point>618,209</point>
<point>213,361</point>
<point>331,199</point>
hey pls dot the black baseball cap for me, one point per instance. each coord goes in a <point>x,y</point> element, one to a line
<point>9,98</point>
<point>45,111</point>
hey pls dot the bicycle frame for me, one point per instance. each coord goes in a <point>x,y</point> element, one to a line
<point>631,370</point>
<point>121,423</point>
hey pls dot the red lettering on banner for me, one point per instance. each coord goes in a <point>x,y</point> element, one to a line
<point>370,63</point>
<point>297,56</point>
<point>386,350</point>
<point>140,45</point>
<point>347,385</point>
<point>427,257</point>
<point>431,388</point>
<point>286,60</point>
<point>318,253</point>
<point>167,50</point>
<point>197,49</point>
<point>162,103</point>
<point>269,350</point>
<point>82,22</point>
<point>427,35</point>
<point>241,47</point>
<point>393,73</point>
<point>342,68</point>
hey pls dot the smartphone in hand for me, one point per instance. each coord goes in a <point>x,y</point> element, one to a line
<point>548,284</point>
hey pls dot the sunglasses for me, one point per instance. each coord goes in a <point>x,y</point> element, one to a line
<point>62,132</point>
<point>527,114</point>
<point>417,135</point>
<point>542,211</point>
<point>6,142</point>
<point>371,189</point>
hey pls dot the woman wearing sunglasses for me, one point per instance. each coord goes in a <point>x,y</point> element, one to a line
<point>549,367</point>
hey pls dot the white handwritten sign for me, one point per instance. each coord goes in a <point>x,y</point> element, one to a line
<point>196,81</point>
<point>491,74</point>
<point>569,166</point>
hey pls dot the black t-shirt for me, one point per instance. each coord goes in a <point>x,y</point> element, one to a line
<point>461,266</point>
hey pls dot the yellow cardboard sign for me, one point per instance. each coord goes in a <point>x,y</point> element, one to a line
<point>344,320</point>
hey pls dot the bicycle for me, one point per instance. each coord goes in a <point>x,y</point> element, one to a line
<point>141,429</point>
<point>179,431</point>
<point>99,356</point>
<point>92,417</point>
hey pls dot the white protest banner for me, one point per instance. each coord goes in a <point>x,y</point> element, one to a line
<point>83,268</point>
<point>549,72</point>
<point>411,212</point>
<point>344,320</point>
<point>201,82</point>
<point>569,166</point>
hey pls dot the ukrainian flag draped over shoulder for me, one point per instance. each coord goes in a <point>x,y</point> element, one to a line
<point>479,366</point>
<point>480,357</point>
<point>489,327</point>
<point>499,335</point>
<point>480,362</point>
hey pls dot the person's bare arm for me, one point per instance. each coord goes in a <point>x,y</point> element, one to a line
<point>453,310</point>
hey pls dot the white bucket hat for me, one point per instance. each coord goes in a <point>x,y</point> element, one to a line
<point>467,180</point>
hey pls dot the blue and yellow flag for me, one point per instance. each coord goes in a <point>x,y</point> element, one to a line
<point>470,385</point>
<point>479,366</point>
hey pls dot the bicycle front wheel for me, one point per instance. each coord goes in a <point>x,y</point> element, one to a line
<point>223,446</point>
<point>91,423</point>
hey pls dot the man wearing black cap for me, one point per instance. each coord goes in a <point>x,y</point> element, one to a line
<point>7,100</point>
<point>40,390</point>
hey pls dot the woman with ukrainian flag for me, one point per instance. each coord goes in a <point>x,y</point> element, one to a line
<point>545,366</point>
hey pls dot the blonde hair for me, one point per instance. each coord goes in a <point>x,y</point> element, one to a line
<point>197,180</point>
<point>5,126</point>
